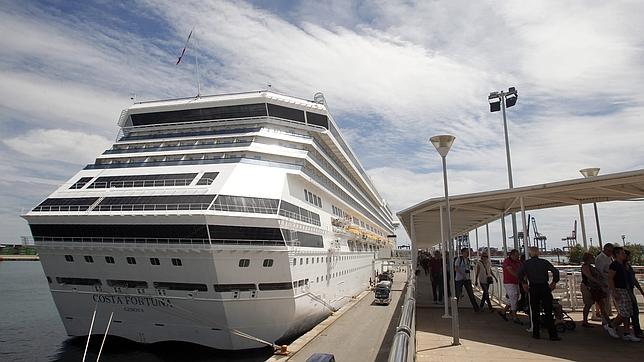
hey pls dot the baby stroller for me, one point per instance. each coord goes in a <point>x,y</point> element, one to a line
<point>563,321</point>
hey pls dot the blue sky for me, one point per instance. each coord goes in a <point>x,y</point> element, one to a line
<point>394,74</point>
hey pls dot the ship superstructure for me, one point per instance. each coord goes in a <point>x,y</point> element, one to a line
<point>210,216</point>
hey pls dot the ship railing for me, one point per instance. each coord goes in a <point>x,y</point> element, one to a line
<point>152,207</point>
<point>243,208</point>
<point>158,241</point>
<point>140,183</point>
<point>306,219</point>
<point>61,208</point>
<point>403,348</point>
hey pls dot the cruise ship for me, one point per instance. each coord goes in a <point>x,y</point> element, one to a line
<point>230,221</point>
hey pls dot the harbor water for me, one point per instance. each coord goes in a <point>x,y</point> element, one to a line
<point>31,330</point>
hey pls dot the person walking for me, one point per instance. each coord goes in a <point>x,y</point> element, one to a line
<point>632,283</point>
<point>436,273</point>
<point>536,270</point>
<point>602,263</point>
<point>424,262</point>
<point>462,269</point>
<point>511,266</point>
<point>618,286</point>
<point>592,291</point>
<point>485,278</point>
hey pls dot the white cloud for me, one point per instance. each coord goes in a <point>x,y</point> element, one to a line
<point>59,145</point>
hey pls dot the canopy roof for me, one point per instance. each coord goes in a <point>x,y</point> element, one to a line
<point>470,211</point>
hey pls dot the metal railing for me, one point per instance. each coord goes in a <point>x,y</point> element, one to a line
<point>61,208</point>
<point>568,290</point>
<point>160,241</point>
<point>152,207</point>
<point>243,208</point>
<point>141,183</point>
<point>292,215</point>
<point>403,348</point>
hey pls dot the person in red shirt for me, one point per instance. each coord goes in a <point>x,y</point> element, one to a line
<point>511,266</point>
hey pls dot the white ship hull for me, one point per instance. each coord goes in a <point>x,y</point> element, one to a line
<point>208,318</point>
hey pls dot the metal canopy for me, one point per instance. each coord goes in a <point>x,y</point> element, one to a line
<point>470,211</point>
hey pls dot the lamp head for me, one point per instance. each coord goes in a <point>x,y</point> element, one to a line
<point>442,143</point>
<point>511,97</point>
<point>590,172</point>
<point>495,101</point>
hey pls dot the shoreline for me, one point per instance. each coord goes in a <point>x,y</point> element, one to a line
<point>19,258</point>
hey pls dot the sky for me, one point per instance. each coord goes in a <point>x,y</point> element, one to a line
<point>393,74</point>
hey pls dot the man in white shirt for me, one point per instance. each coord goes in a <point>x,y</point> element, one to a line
<point>602,263</point>
<point>462,267</point>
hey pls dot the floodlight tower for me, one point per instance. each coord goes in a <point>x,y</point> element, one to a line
<point>499,101</point>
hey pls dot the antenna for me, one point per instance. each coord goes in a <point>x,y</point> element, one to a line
<point>197,66</point>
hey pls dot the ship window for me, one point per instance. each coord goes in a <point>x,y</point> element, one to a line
<point>109,259</point>
<point>317,279</point>
<point>89,259</point>
<point>203,114</point>
<point>161,180</point>
<point>268,263</point>
<point>155,203</point>
<point>300,283</point>
<point>66,204</point>
<point>285,112</point>
<point>306,281</point>
<point>208,178</point>
<point>317,119</point>
<point>176,262</point>
<point>127,283</point>
<point>69,258</point>
<point>78,281</point>
<point>294,261</point>
<point>307,260</point>
<point>301,261</point>
<point>244,263</point>
<point>181,286</point>
<point>131,260</point>
<point>155,261</point>
<point>306,195</point>
<point>245,204</point>
<point>221,288</point>
<point>276,286</point>
<point>80,183</point>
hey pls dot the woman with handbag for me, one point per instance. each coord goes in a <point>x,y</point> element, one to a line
<point>485,277</point>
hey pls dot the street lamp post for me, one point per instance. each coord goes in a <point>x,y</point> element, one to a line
<point>442,144</point>
<point>623,240</point>
<point>592,172</point>
<point>500,101</point>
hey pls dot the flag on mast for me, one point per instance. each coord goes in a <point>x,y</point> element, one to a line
<point>184,47</point>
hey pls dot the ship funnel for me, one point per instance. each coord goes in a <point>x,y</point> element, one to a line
<point>319,98</point>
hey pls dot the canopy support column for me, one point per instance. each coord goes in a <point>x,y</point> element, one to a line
<point>583,225</point>
<point>477,243</point>
<point>505,241</point>
<point>525,229</point>
<point>487,232</point>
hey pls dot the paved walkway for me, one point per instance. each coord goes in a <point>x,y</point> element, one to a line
<point>362,333</point>
<point>486,337</point>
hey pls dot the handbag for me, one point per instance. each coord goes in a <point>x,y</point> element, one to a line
<point>490,280</point>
